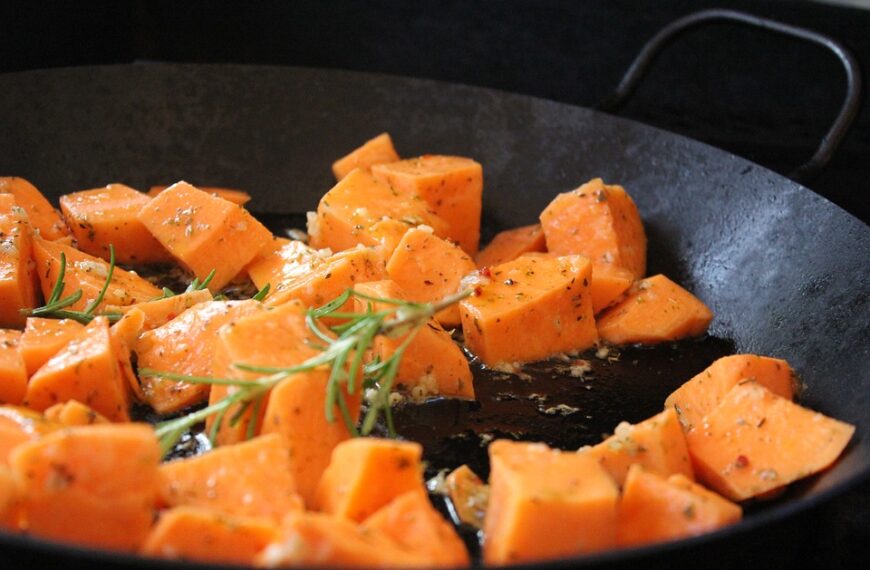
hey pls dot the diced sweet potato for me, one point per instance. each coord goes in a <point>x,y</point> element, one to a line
<point>74,413</point>
<point>185,345</point>
<point>469,495</point>
<point>655,310</point>
<point>432,364</point>
<point>239,197</point>
<point>363,210</point>
<point>281,260</point>
<point>322,541</point>
<point>10,496</point>
<point>653,509</point>
<point>108,216</point>
<point>85,369</point>
<point>18,425</point>
<point>754,442</point>
<point>13,374</point>
<point>158,312</point>
<point>44,219</point>
<point>658,444</point>
<point>452,186</point>
<point>609,283</point>
<point>429,268</point>
<point>412,522</point>
<point>531,308</point>
<point>186,533</point>
<point>204,232</point>
<point>510,244</point>
<point>93,485</point>
<point>600,222</point>
<point>700,395</point>
<point>18,280</point>
<point>250,479</point>
<point>546,504</point>
<point>365,474</point>
<point>42,339</point>
<point>88,273</point>
<point>378,150</point>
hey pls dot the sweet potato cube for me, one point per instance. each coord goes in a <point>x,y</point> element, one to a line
<point>412,522</point>
<point>250,479</point>
<point>363,210</point>
<point>378,150</point>
<point>43,338</point>
<point>18,280</point>
<point>85,369</point>
<point>432,363</point>
<point>429,268</point>
<point>18,425</point>
<point>609,283</point>
<point>239,197</point>
<point>74,413</point>
<point>158,312</point>
<point>282,259</point>
<point>185,345</point>
<point>469,495</point>
<point>452,186</point>
<point>658,444</point>
<point>42,216</point>
<point>754,442</point>
<point>600,222</point>
<point>104,216</point>
<point>531,308</point>
<point>204,232</point>
<point>654,509</point>
<point>13,374</point>
<point>186,533</point>
<point>546,504</point>
<point>88,273</point>
<point>655,310</point>
<point>365,474</point>
<point>510,244</point>
<point>93,486</point>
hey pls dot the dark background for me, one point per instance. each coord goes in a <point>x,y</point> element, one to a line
<point>763,97</point>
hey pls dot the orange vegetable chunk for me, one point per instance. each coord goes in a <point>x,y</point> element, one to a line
<point>452,186</point>
<point>42,216</point>
<point>239,197</point>
<point>18,425</point>
<point>546,504</point>
<point>74,413</point>
<point>608,284</point>
<point>754,442</point>
<point>42,339</point>
<point>250,479</point>
<point>364,210</point>
<point>428,269</point>
<point>654,509</point>
<point>412,522</point>
<point>700,395</point>
<point>93,485</point>
<point>655,310</point>
<point>158,312</point>
<point>657,443</point>
<point>85,369</point>
<point>510,244</point>
<point>10,495</point>
<point>13,374</point>
<point>365,474</point>
<point>186,533</point>
<point>432,363</point>
<point>378,150</point>
<point>18,280</point>
<point>204,232</point>
<point>600,222</point>
<point>469,495</point>
<point>108,215</point>
<point>531,308</point>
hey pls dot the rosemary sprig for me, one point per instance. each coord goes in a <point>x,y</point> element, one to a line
<point>344,346</point>
<point>261,294</point>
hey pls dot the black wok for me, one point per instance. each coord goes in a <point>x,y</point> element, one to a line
<point>784,270</point>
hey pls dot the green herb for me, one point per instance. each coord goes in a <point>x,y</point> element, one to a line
<point>261,294</point>
<point>197,285</point>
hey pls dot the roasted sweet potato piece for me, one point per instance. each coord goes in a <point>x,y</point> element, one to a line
<point>654,509</point>
<point>283,260</point>
<point>600,222</point>
<point>13,374</point>
<point>42,216</point>
<point>655,310</point>
<point>42,339</point>
<point>378,150</point>
<point>108,215</point>
<point>412,522</point>
<point>85,369</point>
<point>250,479</point>
<point>74,413</point>
<point>546,504</point>
<point>609,283</point>
<point>469,495</point>
<point>510,244</point>
<point>93,486</point>
<point>700,395</point>
<point>658,444</point>
<point>239,197</point>
<point>531,308</point>
<point>429,268</point>
<point>186,533</point>
<point>754,442</point>
<point>204,232</point>
<point>18,425</point>
<point>365,474</point>
<point>18,281</point>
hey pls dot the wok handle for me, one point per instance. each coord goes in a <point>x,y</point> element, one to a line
<point>830,141</point>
